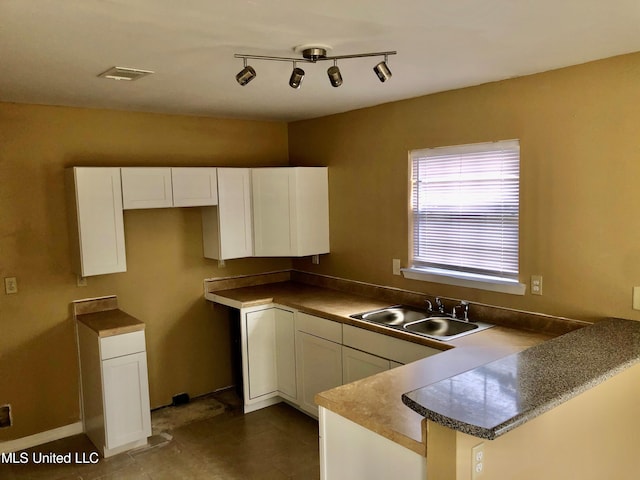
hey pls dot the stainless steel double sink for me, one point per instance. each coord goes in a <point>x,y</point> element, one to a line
<point>422,322</point>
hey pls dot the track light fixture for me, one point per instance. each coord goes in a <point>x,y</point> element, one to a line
<point>313,54</point>
<point>297,75</point>
<point>382,70</point>
<point>335,77</point>
<point>246,74</point>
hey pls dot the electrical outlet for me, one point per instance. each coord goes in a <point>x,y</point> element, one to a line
<point>477,461</point>
<point>536,284</point>
<point>10,285</point>
<point>315,259</point>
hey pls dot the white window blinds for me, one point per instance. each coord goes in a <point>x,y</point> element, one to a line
<point>465,204</point>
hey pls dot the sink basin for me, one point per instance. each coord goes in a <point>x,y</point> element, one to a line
<point>421,322</point>
<point>440,326</point>
<point>399,316</point>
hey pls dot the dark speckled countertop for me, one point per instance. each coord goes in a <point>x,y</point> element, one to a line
<point>497,397</point>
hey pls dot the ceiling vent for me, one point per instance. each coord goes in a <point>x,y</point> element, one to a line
<point>124,73</point>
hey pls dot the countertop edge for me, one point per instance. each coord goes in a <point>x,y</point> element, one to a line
<point>110,322</point>
<point>558,397</point>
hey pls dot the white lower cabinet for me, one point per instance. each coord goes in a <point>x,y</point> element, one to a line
<point>357,364</point>
<point>349,451</point>
<point>126,399</point>
<point>319,368</point>
<point>286,354</point>
<point>292,355</point>
<point>268,354</point>
<point>115,390</point>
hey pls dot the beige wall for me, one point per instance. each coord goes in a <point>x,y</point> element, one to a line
<point>579,130</point>
<point>188,342</point>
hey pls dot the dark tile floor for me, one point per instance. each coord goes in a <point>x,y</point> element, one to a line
<point>274,443</point>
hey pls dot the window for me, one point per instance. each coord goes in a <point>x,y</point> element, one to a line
<point>465,206</point>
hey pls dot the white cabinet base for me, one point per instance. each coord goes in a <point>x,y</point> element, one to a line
<point>349,451</point>
<point>115,392</point>
<point>268,356</point>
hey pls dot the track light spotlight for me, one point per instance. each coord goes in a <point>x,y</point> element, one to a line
<point>335,77</point>
<point>297,75</point>
<point>382,70</point>
<point>246,74</point>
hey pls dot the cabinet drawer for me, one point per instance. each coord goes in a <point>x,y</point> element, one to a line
<point>320,327</point>
<point>392,348</point>
<point>119,345</point>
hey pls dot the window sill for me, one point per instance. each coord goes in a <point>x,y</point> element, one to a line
<point>481,282</point>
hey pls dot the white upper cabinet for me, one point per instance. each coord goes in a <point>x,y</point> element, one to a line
<point>290,211</point>
<point>146,187</point>
<point>96,220</point>
<point>227,229</point>
<point>194,186</point>
<point>159,187</point>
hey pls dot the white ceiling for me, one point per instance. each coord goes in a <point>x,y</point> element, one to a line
<point>52,50</point>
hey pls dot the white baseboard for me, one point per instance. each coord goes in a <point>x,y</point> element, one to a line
<point>40,438</point>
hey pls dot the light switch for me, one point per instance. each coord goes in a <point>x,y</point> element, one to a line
<point>10,285</point>
<point>396,266</point>
<point>636,298</point>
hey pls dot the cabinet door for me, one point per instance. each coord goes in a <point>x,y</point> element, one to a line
<point>290,211</point>
<point>319,365</point>
<point>260,328</point>
<point>269,338</point>
<point>272,191</point>
<point>194,186</point>
<point>126,399</point>
<point>285,353</point>
<point>357,364</point>
<point>310,219</point>
<point>146,187</point>
<point>97,227</point>
<point>227,229</point>
<point>234,206</point>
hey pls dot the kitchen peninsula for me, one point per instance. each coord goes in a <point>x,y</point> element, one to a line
<point>375,403</point>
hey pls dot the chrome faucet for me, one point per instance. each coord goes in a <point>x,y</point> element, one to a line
<point>429,305</point>
<point>440,305</point>
<point>465,310</point>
